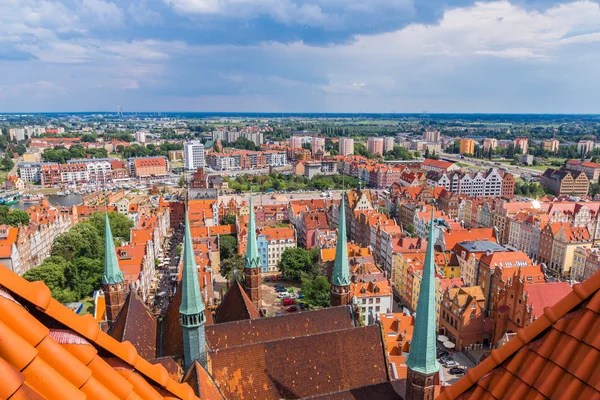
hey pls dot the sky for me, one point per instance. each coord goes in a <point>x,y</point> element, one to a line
<point>516,56</point>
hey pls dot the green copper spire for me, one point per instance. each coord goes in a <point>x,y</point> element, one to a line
<point>421,357</point>
<point>191,296</point>
<point>112,273</point>
<point>341,268</point>
<point>252,259</point>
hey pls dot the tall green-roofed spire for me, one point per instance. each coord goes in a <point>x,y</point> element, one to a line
<point>191,296</point>
<point>192,305</point>
<point>341,268</point>
<point>112,273</point>
<point>252,259</point>
<point>422,354</point>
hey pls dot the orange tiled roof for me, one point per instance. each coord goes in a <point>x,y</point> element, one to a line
<point>78,361</point>
<point>371,289</point>
<point>466,235</point>
<point>150,162</point>
<point>554,357</point>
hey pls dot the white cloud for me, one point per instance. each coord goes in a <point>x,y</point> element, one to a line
<point>142,15</point>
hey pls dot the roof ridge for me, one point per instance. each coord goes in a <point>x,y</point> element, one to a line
<point>293,337</point>
<point>578,295</point>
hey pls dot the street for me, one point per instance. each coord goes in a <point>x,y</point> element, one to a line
<point>516,171</point>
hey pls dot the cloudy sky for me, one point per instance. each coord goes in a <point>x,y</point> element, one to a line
<point>530,56</point>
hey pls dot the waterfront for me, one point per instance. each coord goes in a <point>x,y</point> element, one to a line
<point>64,201</point>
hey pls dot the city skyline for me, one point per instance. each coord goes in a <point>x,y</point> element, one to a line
<point>291,56</point>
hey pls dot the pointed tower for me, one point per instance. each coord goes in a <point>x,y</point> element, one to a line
<point>421,361</point>
<point>340,277</point>
<point>112,279</point>
<point>252,262</point>
<point>192,306</point>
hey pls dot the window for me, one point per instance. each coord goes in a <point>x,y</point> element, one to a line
<point>377,309</point>
<point>473,306</point>
<point>370,301</point>
<point>378,300</point>
<point>472,315</point>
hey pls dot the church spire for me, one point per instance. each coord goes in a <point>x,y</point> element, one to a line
<point>112,273</point>
<point>252,262</point>
<point>192,305</point>
<point>252,259</point>
<point>340,276</point>
<point>112,279</point>
<point>421,361</point>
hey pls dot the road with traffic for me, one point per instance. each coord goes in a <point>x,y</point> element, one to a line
<point>517,171</point>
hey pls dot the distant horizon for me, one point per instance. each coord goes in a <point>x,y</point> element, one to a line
<point>288,113</point>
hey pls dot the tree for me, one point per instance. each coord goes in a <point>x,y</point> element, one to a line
<point>120,225</point>
<point>316,292</point>
<point>296,262</point>
<point>181,182</point>
<point>410,229</point>
<point>228,219</point>
<point>227,246</point>
<point>51,272</point>
<point>236,262</point>
<point>13,217</point>
<point>83,275</point>
<point>7,163</point>
<point>82,240</point>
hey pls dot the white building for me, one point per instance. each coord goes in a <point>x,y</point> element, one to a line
<point>372,298</point>
<point>99,170</point>
<point>30,172</point>
<point>194,155</point>
<point>276,159</point>
<point>140,136</point>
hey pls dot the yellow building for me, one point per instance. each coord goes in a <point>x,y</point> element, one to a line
<point>467,146</point>
<point>551,145</point>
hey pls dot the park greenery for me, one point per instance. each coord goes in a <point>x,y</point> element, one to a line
<point>276,181</point>
<point>303,265</point>
<point>74,269</point>
<point>13,217</point>
<point>230,259</point>
<point>61,154</point>
<point>241,143</point>
<point>530,189</point>
<point>149,150</point>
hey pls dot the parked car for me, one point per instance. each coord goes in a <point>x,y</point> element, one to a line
<point>267,279</point>
<point>442,353</point>
<point>300,295</point>
<point>288,302</point>
<point>284,295</point>
<point>451,363</point>
<point>445,359</point>
<point>457,371</point>
<point>280,289</point>
<point>291,309</point>
<point>303,305</point>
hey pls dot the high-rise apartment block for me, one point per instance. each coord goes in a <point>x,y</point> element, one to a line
<point>346,146</point>
<point>522,144</point>
<point>388,144</point>
<point>467,146</point>
<point>375,145</point>
<point>194,155</point>
<point>431,136</point>
<point>318,145</point>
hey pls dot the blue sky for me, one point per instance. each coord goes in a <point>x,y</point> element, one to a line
<point>538,56</point>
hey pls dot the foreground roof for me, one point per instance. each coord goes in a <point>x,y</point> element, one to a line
<point>57,354</point>
<point>251,331</point>
<point>303,366</point>
<point>236,305</point>
<point>555,357</point>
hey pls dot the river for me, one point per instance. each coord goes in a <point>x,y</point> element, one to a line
<point>65,201</point>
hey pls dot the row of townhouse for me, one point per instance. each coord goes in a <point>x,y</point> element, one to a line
<point>492,183</point>
<point>97,171</point>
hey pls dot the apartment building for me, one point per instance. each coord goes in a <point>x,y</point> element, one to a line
<point>318,145</point>
<point>375,145</point>
<point>551,145</point>
<point>272,242</point>
<point>490,143</point>
<point>467,146</point>
<point>431,136</point>
<point>30,171</point>
<point>346,146</point>
<point>584,147</point>
<point>145,167</point>
<point>521,145</point>
<point>193,155</point>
